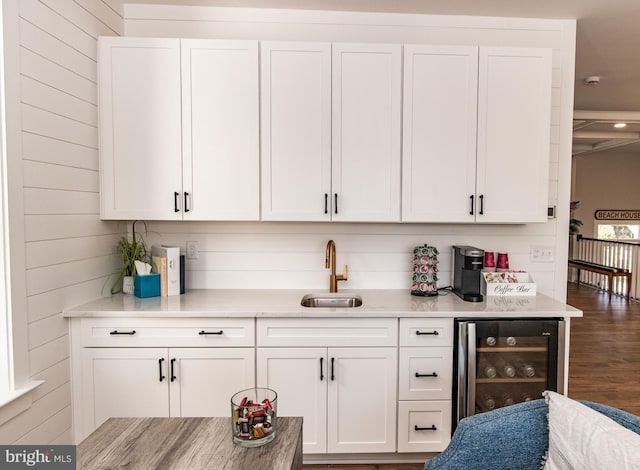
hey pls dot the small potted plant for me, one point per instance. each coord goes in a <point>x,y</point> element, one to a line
<point>574,224</point>
<point>131,251</point>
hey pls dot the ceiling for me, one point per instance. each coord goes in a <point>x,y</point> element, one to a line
<point>606,46</point>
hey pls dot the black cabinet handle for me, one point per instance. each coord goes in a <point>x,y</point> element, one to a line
<point>326,203</point>
<point>471,211</point>
<point>186,202</point>
<point>173,376</point>
<point>160,361</point>
<point>210,332</point>
<point>176,195</point>
<point>432,428</point>
<point>481,204</point>
<point>333,377</point>
<point>335,205</point>
<point>321,367</point>
<point>116,332</point>
<point>426,375</point>
<point>420,333</point>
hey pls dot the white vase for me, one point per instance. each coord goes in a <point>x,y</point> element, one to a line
<point>127,285</point>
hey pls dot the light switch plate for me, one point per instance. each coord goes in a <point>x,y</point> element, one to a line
<point>543,253</point>
<point>192,250</point>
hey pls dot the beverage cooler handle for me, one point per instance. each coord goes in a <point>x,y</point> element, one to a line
<point>471,369</point>
<point>562,329</point>
<point>461,387</point>
<point>467,375</point>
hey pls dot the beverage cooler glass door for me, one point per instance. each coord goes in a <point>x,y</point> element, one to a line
<point>503,362</point>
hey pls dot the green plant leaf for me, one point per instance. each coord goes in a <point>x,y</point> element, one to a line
<point>130,251</point>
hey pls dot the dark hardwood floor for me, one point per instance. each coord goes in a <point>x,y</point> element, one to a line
<point>604,354</point>
<point>604,358</point>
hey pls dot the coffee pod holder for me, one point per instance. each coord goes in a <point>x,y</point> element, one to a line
<point>425,267</point>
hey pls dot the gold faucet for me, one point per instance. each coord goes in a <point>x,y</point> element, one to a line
<point>330,261</point>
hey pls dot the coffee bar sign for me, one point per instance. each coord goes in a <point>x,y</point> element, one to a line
<point>617,214</point>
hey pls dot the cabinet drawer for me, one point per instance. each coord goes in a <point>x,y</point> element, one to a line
<point>187,332</point>
<point>327,332</point>
<point>415,415</point>
<point>426,332</point>
<point>425,373</point>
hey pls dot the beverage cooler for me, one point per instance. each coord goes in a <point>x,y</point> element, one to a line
<point>502,362</point>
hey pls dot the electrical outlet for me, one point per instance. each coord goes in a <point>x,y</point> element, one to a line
<point>543,253</point>
<point>192,250</point>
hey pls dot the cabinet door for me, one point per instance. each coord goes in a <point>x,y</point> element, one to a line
<point>140,128</point>
<point>127,382</point>
<point>439,133</point>
<point>514,109</point>
<point>220,130</point>
<point>425,373</point>
<point>202,380</point>
<point>362,400</point>
<point>366,102</point>
<point>299,376</point>
<point>424,426</point>
<point>296,130</point>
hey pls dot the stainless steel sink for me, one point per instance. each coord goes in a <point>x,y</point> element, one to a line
<point>331,300</point>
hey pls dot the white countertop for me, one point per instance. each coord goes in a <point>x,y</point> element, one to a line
<point>286,303</point>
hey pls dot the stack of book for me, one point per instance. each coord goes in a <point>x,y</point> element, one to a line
<point>167,261</point>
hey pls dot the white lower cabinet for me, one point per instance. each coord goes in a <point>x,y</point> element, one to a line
<point>123,382</point>
<point>424,426</point>
<point>425,384</point>
<point>340,376</point>
<point>148,382</point>
<point>361,402</point>
<point>362,385</point>
<point>299,377</point>
<point>142,375</point>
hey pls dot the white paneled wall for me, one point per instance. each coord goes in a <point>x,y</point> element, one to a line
<point>68,251</point>
<point>261,255</point>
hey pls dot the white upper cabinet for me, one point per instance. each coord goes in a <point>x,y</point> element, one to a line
<point>220,128</point>
<point>439,139</point>
<point>196,130</point>
<point>457,96</point>
<point>366,101</point>
<point>296,130</point>
<point>514,119</point>
<point>330,131</point>
<point>172,150</point>
<point>140,128</point>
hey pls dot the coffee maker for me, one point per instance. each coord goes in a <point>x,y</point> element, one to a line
<point>468,262</point>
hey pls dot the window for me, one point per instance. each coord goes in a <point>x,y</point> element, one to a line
<point>618,231</point>
<point>6,375</point>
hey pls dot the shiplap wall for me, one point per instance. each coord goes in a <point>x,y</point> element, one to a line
<point>288,255</point>
<point>68,251</point>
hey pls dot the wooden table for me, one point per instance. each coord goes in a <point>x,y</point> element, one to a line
<point>186,443</point>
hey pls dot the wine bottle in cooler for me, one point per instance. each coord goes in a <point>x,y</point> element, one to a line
<point>487,370</point>
<point>491,341</point>
<point>507,400</point>
<point>525,396</point>
<point>487,402</point>
<point>525,369</point>
<point>511,341</point>
<point>506,369</point>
